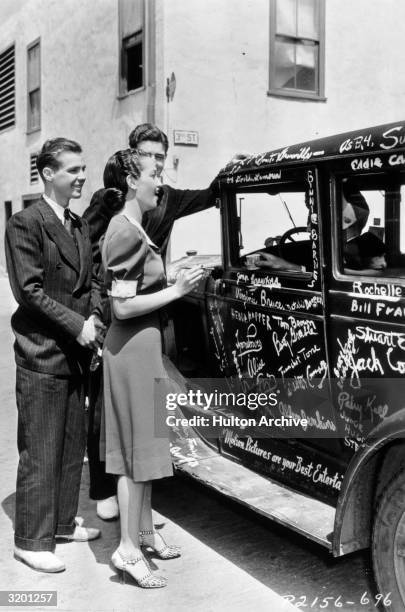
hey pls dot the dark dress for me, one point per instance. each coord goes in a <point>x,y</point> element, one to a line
<point>134,441</point>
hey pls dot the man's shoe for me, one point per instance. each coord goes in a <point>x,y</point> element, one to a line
<point>107,509</point>
<point>82,534</point>
<point>39,560</point>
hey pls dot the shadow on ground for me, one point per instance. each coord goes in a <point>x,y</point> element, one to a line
<point>259,546</point>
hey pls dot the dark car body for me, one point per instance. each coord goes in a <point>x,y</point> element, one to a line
<point>329,339</point>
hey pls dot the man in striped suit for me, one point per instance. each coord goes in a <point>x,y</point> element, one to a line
<point>49,263</point>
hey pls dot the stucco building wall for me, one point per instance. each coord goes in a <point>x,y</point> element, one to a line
<point>79,91</point>
<point>219,53</point>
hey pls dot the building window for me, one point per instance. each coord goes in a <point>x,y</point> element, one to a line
<point>34,174</point>
<point>33,87</point>
<point>297,33</point>
<point>8,210</point>
<point>7,88</point>
<point>132,41</point>
<point>30,198</point>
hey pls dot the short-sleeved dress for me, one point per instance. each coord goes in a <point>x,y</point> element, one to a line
<point>132,442</point>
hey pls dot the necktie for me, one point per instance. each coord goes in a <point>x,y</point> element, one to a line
<point>68,224</point>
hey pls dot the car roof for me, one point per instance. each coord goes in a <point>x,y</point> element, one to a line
<point>369,141</point>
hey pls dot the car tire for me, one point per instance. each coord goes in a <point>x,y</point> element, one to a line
<point>388,544</point>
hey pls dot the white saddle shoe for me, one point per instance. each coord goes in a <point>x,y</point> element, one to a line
<point>39,560</point>
<point>107,509</point>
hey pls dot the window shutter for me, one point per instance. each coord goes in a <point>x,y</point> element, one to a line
<point>7,88</point>
<point>34,174</point>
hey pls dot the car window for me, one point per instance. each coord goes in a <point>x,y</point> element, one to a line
<point>371,226</point>
<point>276,224</point>
<point>199,233</point>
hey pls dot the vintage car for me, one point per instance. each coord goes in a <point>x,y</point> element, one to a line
<point>297,306</point>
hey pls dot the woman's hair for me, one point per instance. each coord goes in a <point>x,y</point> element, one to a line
<point>120,165</point>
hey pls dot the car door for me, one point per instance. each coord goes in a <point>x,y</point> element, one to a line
<point>267,334</point>
<point>366,302</point>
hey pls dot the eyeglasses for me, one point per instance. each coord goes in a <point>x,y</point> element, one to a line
<point>159,157</point>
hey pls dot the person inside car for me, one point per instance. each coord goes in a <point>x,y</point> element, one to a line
<point>363,253</point>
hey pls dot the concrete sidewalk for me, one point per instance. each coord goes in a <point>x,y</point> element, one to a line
<point>201,579</point>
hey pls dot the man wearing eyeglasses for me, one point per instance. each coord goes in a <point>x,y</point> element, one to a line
<point>152,146</point>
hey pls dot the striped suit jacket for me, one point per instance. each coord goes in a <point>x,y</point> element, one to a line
<point>52,282</point>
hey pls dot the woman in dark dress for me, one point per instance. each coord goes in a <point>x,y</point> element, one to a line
<point>133,445</point>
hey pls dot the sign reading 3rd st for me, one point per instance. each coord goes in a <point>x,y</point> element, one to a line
<point>185,137</point>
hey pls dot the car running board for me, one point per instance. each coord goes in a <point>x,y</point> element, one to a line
<point>308,517</point>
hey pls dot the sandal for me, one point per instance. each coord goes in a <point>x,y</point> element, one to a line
<point>165,551</point>
<point>127,566</point>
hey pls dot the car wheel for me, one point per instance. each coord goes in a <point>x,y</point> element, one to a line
<point>388,544</point>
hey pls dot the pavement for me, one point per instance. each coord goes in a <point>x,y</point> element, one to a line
<point>202,579</point>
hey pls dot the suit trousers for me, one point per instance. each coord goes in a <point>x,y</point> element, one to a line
<point>51,443</point>
<point>102,485</point>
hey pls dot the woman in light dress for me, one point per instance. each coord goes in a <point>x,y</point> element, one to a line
<point>135,442</point>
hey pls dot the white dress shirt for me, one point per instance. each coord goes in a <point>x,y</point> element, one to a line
<point>57,208</point>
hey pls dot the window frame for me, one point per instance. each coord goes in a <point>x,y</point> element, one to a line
<point>338,270</point>
<point>123,64</point>
<point>319,94</point>
<point>8,210</point>
<point>34,128</point>
<point>233,259</point>
<point>29,198</point>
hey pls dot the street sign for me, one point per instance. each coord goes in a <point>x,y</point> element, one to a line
<point>185,137</point>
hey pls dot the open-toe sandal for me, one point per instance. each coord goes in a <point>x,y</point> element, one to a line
<point>160,548</point>
<point>146,579</point>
